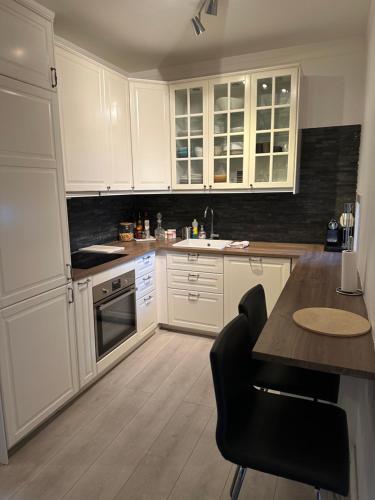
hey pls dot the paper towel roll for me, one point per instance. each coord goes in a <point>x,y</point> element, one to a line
<point>349,279</point>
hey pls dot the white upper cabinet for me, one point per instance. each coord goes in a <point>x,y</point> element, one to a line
<point>273,129</point>
<point>189,134</point>
<point>34,248</point>
<point>149,104</point>
<point>229,132</point>
<point>84,129</point>
<point>118,113</point>
<point>26,43</point>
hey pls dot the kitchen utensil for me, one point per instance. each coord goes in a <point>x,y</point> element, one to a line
<point>186,233</point>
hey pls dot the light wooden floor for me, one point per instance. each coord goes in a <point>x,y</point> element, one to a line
<point>144,431</point>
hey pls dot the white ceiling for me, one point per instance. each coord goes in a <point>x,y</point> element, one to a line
<point>145,34</point>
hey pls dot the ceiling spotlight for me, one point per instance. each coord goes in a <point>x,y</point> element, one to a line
<point>197,25</point>
<point>212,7</point>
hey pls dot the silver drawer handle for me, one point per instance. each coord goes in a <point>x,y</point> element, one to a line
<point>146,257</point>
<point>146,278</point>
<point>194,295</point>
<point>86,282</point>
<point>193,276</point>
<point>147,300</point>
<point>193,256</point>
<point>255,259</point>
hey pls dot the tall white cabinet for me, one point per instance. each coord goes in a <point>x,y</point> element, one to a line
<point>38,367</point>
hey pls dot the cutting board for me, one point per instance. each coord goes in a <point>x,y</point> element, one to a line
<point>334,322</point>
<point>102,249</point>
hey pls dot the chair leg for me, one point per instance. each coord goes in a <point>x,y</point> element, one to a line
<point>238,484</point>
<point>234,480</point>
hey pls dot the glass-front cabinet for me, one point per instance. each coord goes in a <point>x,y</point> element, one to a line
<point>273,128</point>
<point>228,132</point>
<point>189,135</point>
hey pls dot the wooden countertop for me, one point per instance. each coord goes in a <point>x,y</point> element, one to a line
<point>135,249</point>
<point>313,283</point>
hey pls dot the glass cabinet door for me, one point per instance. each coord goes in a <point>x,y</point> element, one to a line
<point>228,132</point>
<point>188,110</point>
<point>273,128</point>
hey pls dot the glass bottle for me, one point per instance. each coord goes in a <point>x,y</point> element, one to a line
<point>159,231</point>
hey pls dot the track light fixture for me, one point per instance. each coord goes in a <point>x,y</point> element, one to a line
<point>211,9</point>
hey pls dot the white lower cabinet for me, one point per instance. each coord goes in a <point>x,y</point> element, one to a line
<point>85,331</point>
<point>195,281</point>
<point>38,362</point>
<point>195,310</point>
<point>242,273</point>
<point>146,313</point>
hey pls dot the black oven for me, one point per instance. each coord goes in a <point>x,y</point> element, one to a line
<point>114,313</point>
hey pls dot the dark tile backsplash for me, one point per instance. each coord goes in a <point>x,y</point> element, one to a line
<point>328,178</point>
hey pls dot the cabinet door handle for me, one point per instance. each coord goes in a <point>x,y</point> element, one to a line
<point>255,259</point>
<point>193,257</point>
<point>194,295</point>
<point>69,269</point>
<point>147,300</point>
<point>86,282</point>
<point>54,77</point>
<point>70,295</point>
<point>193,276</point>
<point>146,258</point>
<point>147,278</point>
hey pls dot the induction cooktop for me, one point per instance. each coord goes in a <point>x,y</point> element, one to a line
<point>85,260</point>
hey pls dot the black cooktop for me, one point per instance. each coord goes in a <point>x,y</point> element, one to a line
<point>85,260</point>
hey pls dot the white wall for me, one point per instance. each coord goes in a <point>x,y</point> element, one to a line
<point>363,407</point>
<point>332,86</point>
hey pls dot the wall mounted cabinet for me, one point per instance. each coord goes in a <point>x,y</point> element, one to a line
<point>150,135</point>
<point>95,124</point>
<point>189,131</point>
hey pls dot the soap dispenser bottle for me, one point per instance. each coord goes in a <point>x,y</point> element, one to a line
<point>202,233</point>
<point>195,228</point>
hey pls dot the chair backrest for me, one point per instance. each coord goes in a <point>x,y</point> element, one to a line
<point>253,305</point>
<point>230,358</point>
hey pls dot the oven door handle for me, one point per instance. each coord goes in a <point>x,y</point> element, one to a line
<point>110,302</point>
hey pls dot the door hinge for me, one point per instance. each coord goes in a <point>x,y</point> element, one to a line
<point>70,295</point>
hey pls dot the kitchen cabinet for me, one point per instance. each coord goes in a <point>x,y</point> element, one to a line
<point>274,128</point>
<point>95,124</point>
<point>229,105</point>
<point>85,331</point>
<point>195,281</point>
<point>195,262</point>
<point>189,135</point>
<point>26,43</point>
<point>146,304</point>
<point>146,313</point>
<point>38,364</point>
<point>33,231</point>
<point>150,128</point>
<point>242,273</point>
<point>195,310</point>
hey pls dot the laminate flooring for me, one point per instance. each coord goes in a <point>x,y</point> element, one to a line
<point>145,431</point>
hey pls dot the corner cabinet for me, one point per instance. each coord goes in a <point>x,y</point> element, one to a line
<point>150,129</point>
<point>189,132</point>
<point>229,132</point>
<point>274,128</point>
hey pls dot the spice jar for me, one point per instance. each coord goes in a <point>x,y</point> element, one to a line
<point>125,231</point>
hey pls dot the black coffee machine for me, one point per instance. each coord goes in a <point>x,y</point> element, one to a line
<point>334,237</point>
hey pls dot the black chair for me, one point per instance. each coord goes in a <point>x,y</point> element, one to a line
<point>295,438</point>
<point>301,381</point>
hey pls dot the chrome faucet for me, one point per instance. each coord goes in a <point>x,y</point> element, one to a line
<point>212,234</point>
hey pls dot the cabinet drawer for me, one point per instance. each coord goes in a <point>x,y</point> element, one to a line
<point>195,310</point>
<point>144,264</point>
<point>194,280</point>
<point>195,261</point>
<point>146,313</point>
<point>145,284</point>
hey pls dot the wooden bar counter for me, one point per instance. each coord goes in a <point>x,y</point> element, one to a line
<point>313,283</point>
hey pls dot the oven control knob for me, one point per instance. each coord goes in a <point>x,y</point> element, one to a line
<point>104,290</point>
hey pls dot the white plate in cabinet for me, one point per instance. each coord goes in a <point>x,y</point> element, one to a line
<point>196,281</point>
<point>26,43</point>
<point>146,313</point>
<point>195,310</point>
<point>195,262</point>
<point>144,264</point>
<point>145,284</point>
<point>242,273</point>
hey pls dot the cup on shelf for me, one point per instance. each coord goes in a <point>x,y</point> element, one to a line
<point>198,150</point>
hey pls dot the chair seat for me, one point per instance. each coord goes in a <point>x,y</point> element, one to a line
<point>293,380</point>
<point>294,438</point>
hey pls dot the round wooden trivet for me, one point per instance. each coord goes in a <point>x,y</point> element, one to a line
<point>335,322</point>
